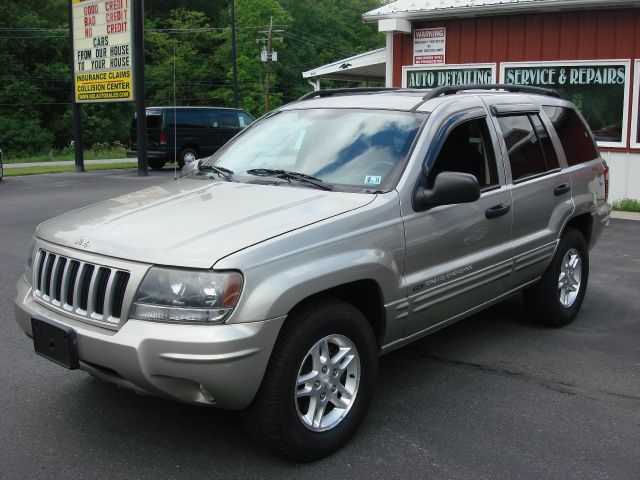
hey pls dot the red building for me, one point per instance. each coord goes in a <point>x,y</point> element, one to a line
<point>588,50</point>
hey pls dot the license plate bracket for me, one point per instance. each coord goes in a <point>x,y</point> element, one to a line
<point>55,342</point>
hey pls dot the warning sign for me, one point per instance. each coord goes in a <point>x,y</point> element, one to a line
<point>429,45</point>
<point>102,50</point>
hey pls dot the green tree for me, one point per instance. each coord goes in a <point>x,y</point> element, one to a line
<point>35,83</point>
<point>198,75</point>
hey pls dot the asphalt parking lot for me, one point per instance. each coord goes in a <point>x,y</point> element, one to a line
<point>490,397</point>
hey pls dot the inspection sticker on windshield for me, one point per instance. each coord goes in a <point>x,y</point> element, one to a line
<point>373,179</point>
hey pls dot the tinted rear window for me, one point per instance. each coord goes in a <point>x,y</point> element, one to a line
<point>154,119</point>
<point>525,154</point>
<point>574,135</point>
<point>550,157</point>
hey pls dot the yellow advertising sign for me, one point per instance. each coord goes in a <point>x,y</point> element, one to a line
<point>103,50</point>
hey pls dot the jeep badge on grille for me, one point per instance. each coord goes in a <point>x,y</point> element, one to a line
<point>83,242</point>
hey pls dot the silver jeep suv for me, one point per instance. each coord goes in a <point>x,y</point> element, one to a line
<point>336,228</point>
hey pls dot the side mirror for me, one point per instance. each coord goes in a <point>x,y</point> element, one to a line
<point>449,188</point>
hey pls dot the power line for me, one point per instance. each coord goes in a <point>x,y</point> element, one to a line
<point>32,29</point>
<point>325,41</point>
<point>32,104</point>
<point>33,37</point>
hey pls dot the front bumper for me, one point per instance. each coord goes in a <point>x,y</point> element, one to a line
<point>167,360</point>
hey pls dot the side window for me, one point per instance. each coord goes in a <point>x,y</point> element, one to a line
<point>192,118</point>
<point>214,120</point>
<point>244,119</point>
<point>468,149</point>
<point>550,156</point>
<point>229,119</point>
<point>574,135</point>
<point>523,146</point>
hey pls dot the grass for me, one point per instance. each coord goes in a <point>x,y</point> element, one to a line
<point>627,205</point>
<point>56,156</point>
<point>14,172</point>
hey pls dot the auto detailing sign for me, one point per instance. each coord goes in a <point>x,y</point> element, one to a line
<point>435,77</point>
<point>102,50</point>
<point>429,45</point>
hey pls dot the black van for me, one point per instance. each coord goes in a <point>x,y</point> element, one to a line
<point>200,131</point>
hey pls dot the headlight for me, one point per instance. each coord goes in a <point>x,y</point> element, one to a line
<point>28,264</point>
<point>186,296</point>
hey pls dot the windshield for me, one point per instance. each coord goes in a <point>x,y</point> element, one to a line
<point>351,147</point>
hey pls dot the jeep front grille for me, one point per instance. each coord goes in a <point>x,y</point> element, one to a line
<point>92,291</point>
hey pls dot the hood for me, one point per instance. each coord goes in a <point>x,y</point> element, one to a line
<point>194,223</point>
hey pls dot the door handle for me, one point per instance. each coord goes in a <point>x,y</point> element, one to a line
<point>562,188</point>
<point>497,210</point>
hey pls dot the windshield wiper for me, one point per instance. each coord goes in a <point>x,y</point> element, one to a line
<point>288,175</point>
<point>221,171</point>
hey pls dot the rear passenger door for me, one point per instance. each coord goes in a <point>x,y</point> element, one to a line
<point>541,188</point>
<point>584,164</point>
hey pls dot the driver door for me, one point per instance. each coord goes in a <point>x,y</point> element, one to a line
<point>458,257</point>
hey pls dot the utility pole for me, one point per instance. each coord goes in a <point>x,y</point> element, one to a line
<point>234,54</point>
<point>267,55</point>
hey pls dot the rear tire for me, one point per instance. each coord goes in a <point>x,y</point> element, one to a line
<point>319,382</point>
<point>556,299</point>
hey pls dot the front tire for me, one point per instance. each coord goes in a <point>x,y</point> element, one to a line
<point>319,381</point>
<point>556,299</point>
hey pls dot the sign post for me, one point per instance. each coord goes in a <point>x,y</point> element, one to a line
<point>141,112</point>
<point>78,147</point>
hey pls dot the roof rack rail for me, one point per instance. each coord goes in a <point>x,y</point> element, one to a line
<point>337,91</point>
<point>451,89</point>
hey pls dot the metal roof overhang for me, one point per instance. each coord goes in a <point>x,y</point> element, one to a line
<point>440,9</point>
<point>368,66</point>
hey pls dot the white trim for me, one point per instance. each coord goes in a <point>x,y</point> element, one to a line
<point>374,57</point>
<point>394,25</point>
<point>411,9</point>
<point>635,106</point>
<point>449,66</point>
<point>388,73</point>
<point>571,63</point>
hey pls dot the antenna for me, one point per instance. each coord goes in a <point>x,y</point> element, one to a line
<point>175,117</point>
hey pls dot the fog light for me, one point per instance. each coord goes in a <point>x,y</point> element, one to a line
<point>206,394</point>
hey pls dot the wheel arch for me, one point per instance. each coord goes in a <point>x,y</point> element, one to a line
<point>365,295</point>
<point>583,223</point>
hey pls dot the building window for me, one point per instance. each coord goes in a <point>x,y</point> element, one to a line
<point>635,119</point>
<point>422,76</point>
<point>600,90</point>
